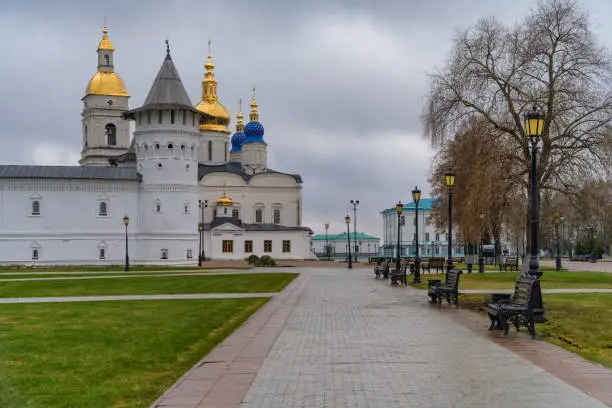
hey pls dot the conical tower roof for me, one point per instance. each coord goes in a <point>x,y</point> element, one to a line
<point>167,91</point>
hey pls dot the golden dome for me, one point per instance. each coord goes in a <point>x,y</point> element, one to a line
<point>216,117</point>
<point>105,43</point>
<point>224,201</point>
<point>106,83</point>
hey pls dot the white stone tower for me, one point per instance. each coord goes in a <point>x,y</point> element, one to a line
<point>254,154</point>
<point>214,140</point>
<point>166,142</point>
<point>105,132</point>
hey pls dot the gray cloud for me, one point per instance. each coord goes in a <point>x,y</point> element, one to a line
<point>340,83</point>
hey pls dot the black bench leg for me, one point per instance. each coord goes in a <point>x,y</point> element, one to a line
<point>503,319</point>
<point>456,299</point>
<point>531,328</point>
<point>493,322</point>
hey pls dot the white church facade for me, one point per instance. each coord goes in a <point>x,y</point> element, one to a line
<point>168,194</point>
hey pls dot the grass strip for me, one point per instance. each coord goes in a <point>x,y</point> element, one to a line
<point>247,283</point>
<point>505,280</point>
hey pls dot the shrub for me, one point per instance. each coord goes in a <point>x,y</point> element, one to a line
<point>253,260</point>
<point>266,260</point>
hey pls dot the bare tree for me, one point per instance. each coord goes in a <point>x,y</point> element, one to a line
<point>496,73</point>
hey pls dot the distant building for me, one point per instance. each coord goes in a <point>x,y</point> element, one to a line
<point>432,242</point>
<point>336,245</point>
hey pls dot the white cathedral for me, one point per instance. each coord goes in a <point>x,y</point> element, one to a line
<point>173,192</point>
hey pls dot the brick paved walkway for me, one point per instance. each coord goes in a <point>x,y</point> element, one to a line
<point>359,343</point>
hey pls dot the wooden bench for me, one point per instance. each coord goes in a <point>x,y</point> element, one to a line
<point>437,263</point>
<point>398,276</point>
<point>511,262</point>
<point>380,268</point>
<point>448,290</point>
<point>518,310</point>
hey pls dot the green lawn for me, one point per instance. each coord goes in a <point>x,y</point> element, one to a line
<point>107,354</point>
<point>505,280</point>
<point>580,323</point>
<point>247,283</point>
<point>64,274</point>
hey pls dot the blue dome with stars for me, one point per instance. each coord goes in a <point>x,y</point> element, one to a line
<point>254,132</point>
<point>237,141</point>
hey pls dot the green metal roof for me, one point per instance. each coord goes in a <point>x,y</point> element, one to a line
<point>332,237</point>
<point>424,204</point>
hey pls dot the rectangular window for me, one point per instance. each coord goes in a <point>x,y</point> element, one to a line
<point>226,151</point>
<point>276,214</point>
<point>103,209</point>
<point>427,220</point>
<point>35,254</point>
<point>437,236</point>
<point>427,236</point>
<point>286,246</point>
<point>210,150</point>
<point>248,246</point>
<point>214,213</point>
<point>259,216</point>
<point>35,207</point>
<point>189,254</point>
<point>102,253</point>
<point>184,117</point>
<point>228,246</point>
<point>235,214</point>
<point>164,254</point>
<point>268,246</point>
<point>172,117</point>
<point>159,115</point>
<point>403,220</point>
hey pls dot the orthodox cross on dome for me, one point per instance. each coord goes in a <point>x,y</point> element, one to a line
<point>167,47</point>
<point>254,115</point>
<point>209,48</point>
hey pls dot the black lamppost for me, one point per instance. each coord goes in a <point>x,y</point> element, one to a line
<point>126,221</point>
<point>398,208</point>
<point>416,197</point>
<point>347,219</point>
<point>202,254</point>
<point>355,204</point>
<point>557,220</point>
<point>450,183</point>
<point>481,259</point>
<point>593,231</point>
<point>534,125</point>
<point>326,243</point>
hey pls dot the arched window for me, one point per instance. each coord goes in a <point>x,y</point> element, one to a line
<point>35,253</point>
<point>235,214</point>
<point>226,151</point>
<point>35,207</point>
<point>103,209</point>
<point>158,206</point>
<point>111,134</point>
<point>276,216</point>
<point>184,117</point>
<point>102,253</point>
<point>172,117</point>
<point>106,60</point>
<point>210,150</point>
<point>159,115</point>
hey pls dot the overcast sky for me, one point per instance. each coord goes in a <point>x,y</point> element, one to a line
<point>340,84</point>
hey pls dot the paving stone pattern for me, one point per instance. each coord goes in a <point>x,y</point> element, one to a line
<point>355,342</point>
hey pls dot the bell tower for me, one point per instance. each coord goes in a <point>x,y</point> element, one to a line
<point>105,132</point>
